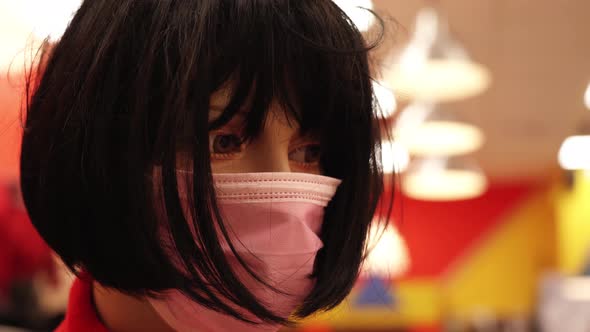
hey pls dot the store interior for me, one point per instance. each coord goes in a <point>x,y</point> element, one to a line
<point>488,107</point>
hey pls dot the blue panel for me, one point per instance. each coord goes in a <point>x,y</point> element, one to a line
<point>375,292</point>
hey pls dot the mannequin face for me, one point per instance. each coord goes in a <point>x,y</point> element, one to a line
<point>279,148</point>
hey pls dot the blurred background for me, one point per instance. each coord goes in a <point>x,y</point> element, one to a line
<point>487,104</point>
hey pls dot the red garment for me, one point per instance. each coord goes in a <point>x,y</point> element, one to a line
<point>81,314</point>
<point>22,250</point>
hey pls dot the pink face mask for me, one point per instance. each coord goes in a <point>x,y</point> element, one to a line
<point>273,220</point>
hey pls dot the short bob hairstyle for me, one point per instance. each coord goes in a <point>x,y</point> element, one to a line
<point>128,86</point>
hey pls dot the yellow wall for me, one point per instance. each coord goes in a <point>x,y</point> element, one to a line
<point>500,274</point>
<point>573,214</point>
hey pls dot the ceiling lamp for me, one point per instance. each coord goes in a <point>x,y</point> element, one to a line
<point>428,129</point>
<point>387,252</point>
<point>433,66</point>
<point>573,154</point>
<point>394,157</point>
<point>385,100</point>
<point>444,179</point>
<point>587,97</point>
<point>359,11</point>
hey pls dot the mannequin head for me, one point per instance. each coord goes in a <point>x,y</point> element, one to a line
<point>136,90</point>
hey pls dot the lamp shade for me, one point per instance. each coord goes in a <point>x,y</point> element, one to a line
<point>385,100</point>
<point>431,130</point>
<point>394,157</point>
<point>573,153</point>
<point>444,179</point>
<point>434,66</point>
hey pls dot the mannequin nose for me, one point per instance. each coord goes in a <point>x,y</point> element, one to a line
<point>271,162</point>
<point>268,156</point>
<point>269,152</point>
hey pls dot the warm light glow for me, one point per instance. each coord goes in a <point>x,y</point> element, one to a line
<point>576,289</point>
<point>385,100</point>
<point>435,180</point>
<point>575,153</point>
<point>444,186</point>
<point>15,34</point>
<point>25,23</point>
<point>440,80</point>
<point>394,157</point>
<point>437,138</point>
<point>50,18</point>
<point>358,13</point>
<point>388,255</point>
<point>587,97</point>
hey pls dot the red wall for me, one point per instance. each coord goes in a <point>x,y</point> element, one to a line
<point>10,127</point>
<point>437,233</point>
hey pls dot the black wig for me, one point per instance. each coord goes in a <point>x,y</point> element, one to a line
<point>129,84</point>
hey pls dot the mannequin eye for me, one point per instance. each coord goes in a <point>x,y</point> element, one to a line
<point>306,154</point>
<point>222,143</point>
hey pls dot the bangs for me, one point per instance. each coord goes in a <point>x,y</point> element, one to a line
<point>281,54</point>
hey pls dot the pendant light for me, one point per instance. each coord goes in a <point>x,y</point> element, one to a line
<point>394,157</point>
<point>573,153</point>
<point>444,179</point>
<point>434,66</point>
<point>429,129</point>
<point>385,99</point>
